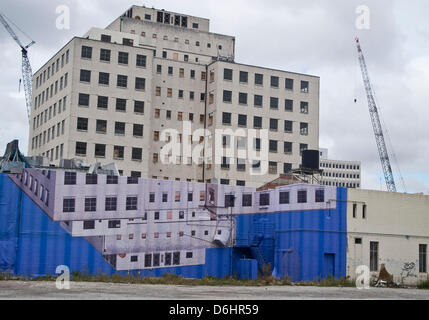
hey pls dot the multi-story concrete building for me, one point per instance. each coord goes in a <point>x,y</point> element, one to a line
<point>339,173</point>
<point>110,95</point>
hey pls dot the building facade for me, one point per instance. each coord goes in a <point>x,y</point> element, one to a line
<point>340,173</point>
<point>149,227</point>
<point>153,77</point>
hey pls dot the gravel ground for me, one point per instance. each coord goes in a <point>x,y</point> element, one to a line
<point>107,291</point>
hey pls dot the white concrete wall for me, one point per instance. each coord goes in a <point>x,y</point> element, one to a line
<point>399,222</point>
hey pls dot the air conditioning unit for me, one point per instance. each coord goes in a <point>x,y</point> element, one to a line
<point>67,164</point>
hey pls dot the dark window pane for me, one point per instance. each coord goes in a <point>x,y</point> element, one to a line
<point>242,98</point>
<point>69,178</point>
<point>264,199</point>
<point>226,118</point>
<point>274,103</point>
<point>100,150</point>
<point>83,99</point>
<point>227,74</point>
<point>304,86</point>
<point>284,197</point>
<point>90,204</point>
<point>104,55</point>
<point>122,81</point>
<point>81,148</point>
<point>227,96</point>
<point>242,120</point>
<point>288,105</point>
<point>302,196</point>
<point>257,122</point>
<point>320,195</point>
<point>247,200</point>
<point>244,76</point>
<point>69,205</point>
<point>91,178</point>
<point>258,101</point>
<point>274,82</point>
<point>137,154</point>
<point>259,79</point>
<point>123,57</point>
<point>289,84</point>
<point>86,52</point>
<point>103,78</point>
<point>139,106</point>
<point>138,130</point>
<point>82,124</point>
<point>85,75</point>
<point>141,61</point>
<point>121,104</point>
<point>140,83</point>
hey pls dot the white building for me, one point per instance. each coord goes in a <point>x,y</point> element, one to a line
<point>390,229</point>
<point>339,173</point>
<point>109,95</point>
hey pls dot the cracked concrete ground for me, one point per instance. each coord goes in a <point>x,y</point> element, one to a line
<point>109,291</point>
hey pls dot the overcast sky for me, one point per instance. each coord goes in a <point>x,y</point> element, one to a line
<point>306,36</point>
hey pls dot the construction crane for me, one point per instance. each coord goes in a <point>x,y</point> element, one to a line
<point>27,74</point>
<point>376,124</point>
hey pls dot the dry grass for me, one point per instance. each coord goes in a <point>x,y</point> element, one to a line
<point>172,279</point>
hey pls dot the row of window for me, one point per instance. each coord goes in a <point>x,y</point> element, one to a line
<point>340,184</point>
<point>37,188</point>
<point>48,135</point>
<point>339,166</point>
<point>284,198</point>
<point>170,72</point>
<point>258,123</point>
<point>70,178</point>
<point>105,55</point>
<point>155,260</point>
<point>341,175</point>
<point>111,203</point>
<point>104,79</point>
<point>258,101</point>
<point>259,80</point>
<point>101,127</point>
<point>180,95</point>
<point>100,151</point>
<point>241,166</point>
<point>45,95</point>
<point>168,18</point>
<point>50,113</point>
<point>121,82</point>
<point>59,153</point>
<point>103,103</point>
<point>52,69</point>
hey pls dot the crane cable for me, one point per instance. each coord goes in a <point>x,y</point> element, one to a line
<point>18,28</point>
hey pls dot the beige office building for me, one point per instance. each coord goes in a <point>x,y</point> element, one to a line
<point>340,173</point>
<point>110,95</point>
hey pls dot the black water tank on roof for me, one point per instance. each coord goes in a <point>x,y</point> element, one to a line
<point>310,159</point>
